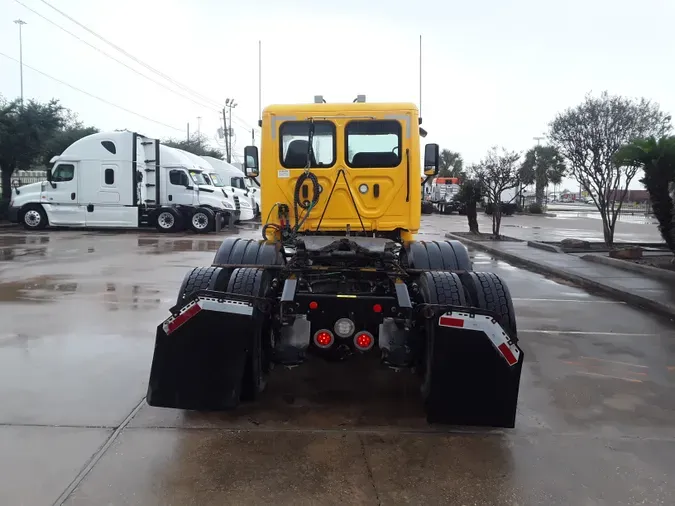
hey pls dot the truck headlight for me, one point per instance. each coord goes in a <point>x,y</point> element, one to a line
<point>227,205</point>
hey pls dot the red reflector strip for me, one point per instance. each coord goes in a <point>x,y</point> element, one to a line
<point>182,318</point>
<point>449,321</point>
<point>507,354</point>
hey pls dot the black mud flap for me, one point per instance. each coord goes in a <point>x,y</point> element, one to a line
<point>200,356</point>
<point>475,372</point>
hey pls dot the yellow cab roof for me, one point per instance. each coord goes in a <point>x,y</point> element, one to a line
<point>340,107</point>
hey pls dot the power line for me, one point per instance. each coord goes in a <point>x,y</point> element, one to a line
<point>140,62</point>
<point>126,53</point>
<point>91,95</point>
<point>113,58</point>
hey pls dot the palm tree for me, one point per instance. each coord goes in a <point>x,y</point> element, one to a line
<point>542,165</point>
<point>657,160</point>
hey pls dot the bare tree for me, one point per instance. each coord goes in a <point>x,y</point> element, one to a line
<point>590,135</point>
<point>498,172</point>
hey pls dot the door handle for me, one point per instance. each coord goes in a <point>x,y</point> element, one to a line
<point>376,190</point>
<point>72,196</point>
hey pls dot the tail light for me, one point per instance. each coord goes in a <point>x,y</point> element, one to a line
<point>364,340</point>
<point>323,338</point>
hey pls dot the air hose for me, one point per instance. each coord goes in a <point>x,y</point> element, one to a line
<point>307,205</point>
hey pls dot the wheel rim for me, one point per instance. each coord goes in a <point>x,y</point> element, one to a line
<point>200,221</point>
<point>32,218</point>
<point>166,220</point>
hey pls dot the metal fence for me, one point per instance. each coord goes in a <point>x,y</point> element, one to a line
<point>24,177</point>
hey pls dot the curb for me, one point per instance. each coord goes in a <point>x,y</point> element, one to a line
<point>653,272</point>
<point>627,297</point>
<point>546,247</point>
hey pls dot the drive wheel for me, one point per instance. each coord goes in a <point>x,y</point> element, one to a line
<point>33,217</point>
<point>202,278</point>
<point>203,220</point>
<point>255,282</point>
<point>168,220</point>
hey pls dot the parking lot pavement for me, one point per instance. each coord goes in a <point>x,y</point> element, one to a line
<point>596,419</point>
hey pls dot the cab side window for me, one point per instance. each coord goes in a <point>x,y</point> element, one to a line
<point>63,172</point>
<point>175,177</point>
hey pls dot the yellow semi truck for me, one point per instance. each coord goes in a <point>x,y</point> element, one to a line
<point>338,272</point>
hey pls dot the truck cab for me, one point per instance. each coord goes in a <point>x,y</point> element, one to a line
<point>232,179</point>
<point>365,158</point>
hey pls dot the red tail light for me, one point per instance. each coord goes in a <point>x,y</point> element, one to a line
<point>364,340</point>
<point>323,338</point>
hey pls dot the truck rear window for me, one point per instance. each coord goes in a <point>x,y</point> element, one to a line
<point>294,144</point>
<point>373,143</point>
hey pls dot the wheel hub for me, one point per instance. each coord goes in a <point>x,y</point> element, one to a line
<point>200,221</point>
<point>32,218</point>
<point>165,220</point>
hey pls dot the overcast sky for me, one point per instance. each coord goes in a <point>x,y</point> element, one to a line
<point>494,72</point>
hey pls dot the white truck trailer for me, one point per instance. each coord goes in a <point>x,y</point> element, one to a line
<point>117,180</point>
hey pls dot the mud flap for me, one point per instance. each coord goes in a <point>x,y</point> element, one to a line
<point>474,374</point>
<point>200,356</point>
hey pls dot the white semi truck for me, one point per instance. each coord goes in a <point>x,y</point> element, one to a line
<point>231,176</point>
<point>216,182</point>
<point>121,180</point>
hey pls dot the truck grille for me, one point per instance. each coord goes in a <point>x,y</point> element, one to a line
<point>237,206</point>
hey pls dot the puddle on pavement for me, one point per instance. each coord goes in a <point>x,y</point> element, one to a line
<point>160,246</point>
<point>18,240</point>
<point>51,288</point>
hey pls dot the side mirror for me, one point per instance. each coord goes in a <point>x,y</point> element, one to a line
<point>184,179</point>
<point>49,175</point>
<point>251,167</point>
<point>431,159</point>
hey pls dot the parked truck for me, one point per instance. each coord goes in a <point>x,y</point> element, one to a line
<point>231,177</point>
<point>238,198</point>
<point>119,179</point>
<point>338,273</point>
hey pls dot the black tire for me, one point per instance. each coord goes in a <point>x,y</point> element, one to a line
<point>168,220</point>
<point>249,281</point>
<point>235,251</point>
<point>203,220</point>
<point>437,288</point>
<point>438,256</point>
<point>427,208</point>
<point>488,291</point>
<point>34,217</point>
<point>202,278</point>
<point>461,255</point>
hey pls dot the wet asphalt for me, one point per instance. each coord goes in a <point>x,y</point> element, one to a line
<point>595,426</point>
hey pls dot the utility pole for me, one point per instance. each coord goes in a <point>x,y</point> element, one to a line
<point>226,135</point>
<point>20,22</point>
<point>188,133</point>
<point>252,137</point>
<point>199,126</point>
<point>229,104</point>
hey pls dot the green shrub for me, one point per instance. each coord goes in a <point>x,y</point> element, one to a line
<point>535,208</point>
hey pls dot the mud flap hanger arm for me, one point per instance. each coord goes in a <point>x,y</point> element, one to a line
<point>263,304</point>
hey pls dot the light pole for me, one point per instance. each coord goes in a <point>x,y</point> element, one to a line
<point>20,22</point>
<point>229,104</point>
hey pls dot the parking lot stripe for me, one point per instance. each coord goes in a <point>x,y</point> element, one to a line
<point>615,362</point>
<point>585,332</point>
<point>568,300</point>
<point>587,373</point>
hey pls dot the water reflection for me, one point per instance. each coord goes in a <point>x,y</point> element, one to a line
<point>115,296</point>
